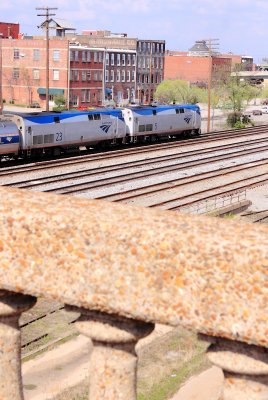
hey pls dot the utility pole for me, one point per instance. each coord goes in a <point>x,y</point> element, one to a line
<point>47,15</point>
<point>1,73</point>
<point>212,45</point>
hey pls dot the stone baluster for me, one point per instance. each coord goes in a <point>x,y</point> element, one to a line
<point>113,359</point>
<point>11,307</point>
<point>245,368</point>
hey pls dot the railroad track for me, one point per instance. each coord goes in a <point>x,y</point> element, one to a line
<point>256,216</point>
<point>133,150</point>
<point>45,324</point>
<point>169,176</point>
<point>175,162</point>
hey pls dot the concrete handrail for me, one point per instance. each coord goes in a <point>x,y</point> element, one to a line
<point>204,273</point>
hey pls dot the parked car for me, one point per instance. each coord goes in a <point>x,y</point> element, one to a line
<point>264,109</point>
<point>264,102</point>
<point>35,104</point>
<point>257,112</point>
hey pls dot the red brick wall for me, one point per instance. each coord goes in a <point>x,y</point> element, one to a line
<point>9,30</point>
<point>190,68</point>
<point>24,89</point>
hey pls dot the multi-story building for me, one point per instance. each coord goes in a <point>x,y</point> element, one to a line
<point>92,69</point>
<point>197,64</point>
<point>85,76</point>
<point>150,68</point>
<point>120,76</point>
<point>24,70</point>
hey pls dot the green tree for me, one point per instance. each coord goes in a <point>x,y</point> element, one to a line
<point>179,91</point>
<point>60,102</point>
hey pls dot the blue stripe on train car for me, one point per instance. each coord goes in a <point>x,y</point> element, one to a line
<point>49,118</point>
<point>9,139</point>
<point>150,110</point>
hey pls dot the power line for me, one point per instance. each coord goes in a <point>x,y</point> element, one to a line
<point>46,24</point>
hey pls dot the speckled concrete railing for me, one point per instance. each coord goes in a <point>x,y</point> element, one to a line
<point>134,267</point>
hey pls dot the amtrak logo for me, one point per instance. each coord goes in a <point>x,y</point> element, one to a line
<point>105,127</point>
<point>188,118</point>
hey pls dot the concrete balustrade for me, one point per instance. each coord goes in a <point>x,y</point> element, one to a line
<point>126,268</point>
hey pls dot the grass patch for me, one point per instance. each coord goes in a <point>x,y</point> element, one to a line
<point>164,365</point>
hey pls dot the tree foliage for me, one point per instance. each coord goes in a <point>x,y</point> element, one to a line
<point>60,102</point>
<point>178,91</point>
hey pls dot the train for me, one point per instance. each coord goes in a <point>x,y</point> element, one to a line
<point>37,134</point>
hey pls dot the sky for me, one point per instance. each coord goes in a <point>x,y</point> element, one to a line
<point>239,25</point>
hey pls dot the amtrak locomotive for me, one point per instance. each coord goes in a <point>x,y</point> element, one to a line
<point>36,134</point>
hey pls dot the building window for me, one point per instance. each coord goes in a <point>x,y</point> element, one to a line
<point>106,76</point>
<point>100,57</point>
<point>133,60</point>
<point>118,59</point>
<point>56,55</point>
<point>157,47</point>
<point>162,48</point>
<point>36,74</point>
<point>76,55</point>
<point>100,95</point>
<point>148,62</point>
<point>133,76</point>
<point>153,47</point>
<point>85,95</point>
<point>71,55</point>
<point>89,75</point>
<point>128,76</point>
<point>84,56</point>
<point>16,54</point>
<point>107,59</point>
<point>16,73</point>
<point>95,75</point>
<point>88,56</point>
<point>36,54</point>
<point>140,47</point>
<point>74,100</point>
<point>128,59</point>
<point>123,60</point>
<point>112,59</point>
<point>83,75</point>
<point>117,76</point>
<point>143,62</point>
<point>100,76</point>
<point>75,75</point>
<point>123,76</point>
<point>161,63</point>
<point>112,75</point>
<point>56,74</point>
<point>95,57</point>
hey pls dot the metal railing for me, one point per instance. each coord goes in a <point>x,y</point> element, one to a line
<point>215,203</point>
<point>125,269</point>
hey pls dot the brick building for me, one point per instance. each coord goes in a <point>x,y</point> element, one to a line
<point>196,64</point>
<point>149,68</point>
<point>9,30</point>
<point>195,69</point>
<point>88,70</point>
<point>24,69</point>
<point>85,76</point>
